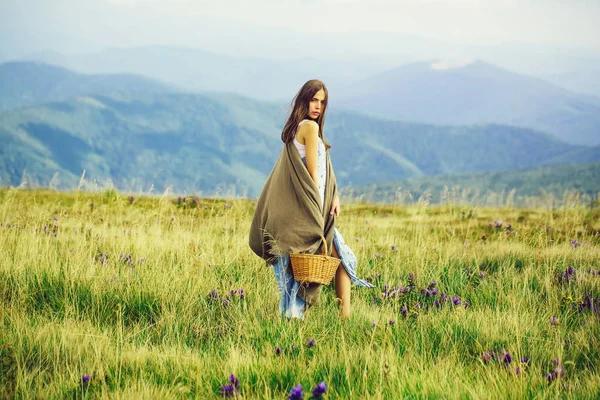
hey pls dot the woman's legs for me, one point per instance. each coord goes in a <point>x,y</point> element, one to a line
<point>342,287</point>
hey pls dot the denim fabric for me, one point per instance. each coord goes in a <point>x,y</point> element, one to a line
<point>291,305</point>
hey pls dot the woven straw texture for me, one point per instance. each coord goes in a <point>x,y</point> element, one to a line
<point>315,268</point>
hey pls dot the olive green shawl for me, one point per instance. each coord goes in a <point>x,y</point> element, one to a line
<point>288,217</point>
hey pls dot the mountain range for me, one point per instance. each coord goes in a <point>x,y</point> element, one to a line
<point>475,92</point>
<point>28,83</point>
<point>200,70</point>
<point>455,92</point>
<point>150,135</point>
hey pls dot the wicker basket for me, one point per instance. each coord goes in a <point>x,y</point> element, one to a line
<point>314,267</point>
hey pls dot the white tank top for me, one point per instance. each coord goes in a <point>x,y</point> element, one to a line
<point>301,147</point>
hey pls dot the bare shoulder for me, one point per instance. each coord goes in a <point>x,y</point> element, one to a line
<point>309,129</point>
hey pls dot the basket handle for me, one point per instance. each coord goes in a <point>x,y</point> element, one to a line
<point>324,244</point>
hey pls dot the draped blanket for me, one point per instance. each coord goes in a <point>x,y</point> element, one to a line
<point>288,217</point>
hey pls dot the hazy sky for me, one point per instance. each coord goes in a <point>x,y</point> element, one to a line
<point>68,24</point>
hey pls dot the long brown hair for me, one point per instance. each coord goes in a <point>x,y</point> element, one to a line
<point>300,110</point>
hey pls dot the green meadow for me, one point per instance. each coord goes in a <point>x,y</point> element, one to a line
<point>106,295</point>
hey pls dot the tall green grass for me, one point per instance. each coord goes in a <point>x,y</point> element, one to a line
<point>136,293</point>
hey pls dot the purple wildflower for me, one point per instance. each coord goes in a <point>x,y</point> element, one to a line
<point>126,259</point>
<point>567,275</point>
<point>391,321</point>
<point>231,389</point>
<point>404,310</point>
<point>556,362</point>
<point>575,243</point>
<point>456,300</point>
<point>507,359</point>
<point>319,390</point>
<point>102,258</point>
<point>487,356</point>
<point>311,342</point>
<point>85,379</point>
<point>498,224</point>
<point>277,350</point>
<point>443,298</point>
<point>518,371</point>
<point>234,381</point>
<point>297,393</point>
<point>436,303</point>
<point>525,360</point>
<point>228,390</point>
<point>432,284</point>
<point>554,321</point>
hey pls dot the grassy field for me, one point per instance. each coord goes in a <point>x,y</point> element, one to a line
<point>110,296</point>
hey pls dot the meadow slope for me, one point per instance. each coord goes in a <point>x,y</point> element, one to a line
<point>105,295</point>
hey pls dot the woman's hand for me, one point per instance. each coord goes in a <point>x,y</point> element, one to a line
<point>335,207</point>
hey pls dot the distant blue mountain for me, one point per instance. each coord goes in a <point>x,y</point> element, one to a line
<point>199,70</point>
<point>143,134</point>
<point>213,143</point>
<point>29,83</point>
<point>476,93</point>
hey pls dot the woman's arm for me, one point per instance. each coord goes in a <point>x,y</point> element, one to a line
<point>311,141</point>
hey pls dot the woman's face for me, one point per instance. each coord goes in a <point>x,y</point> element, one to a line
<point>316,105</point>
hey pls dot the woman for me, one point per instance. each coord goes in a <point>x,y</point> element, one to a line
<point>299,204</point>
